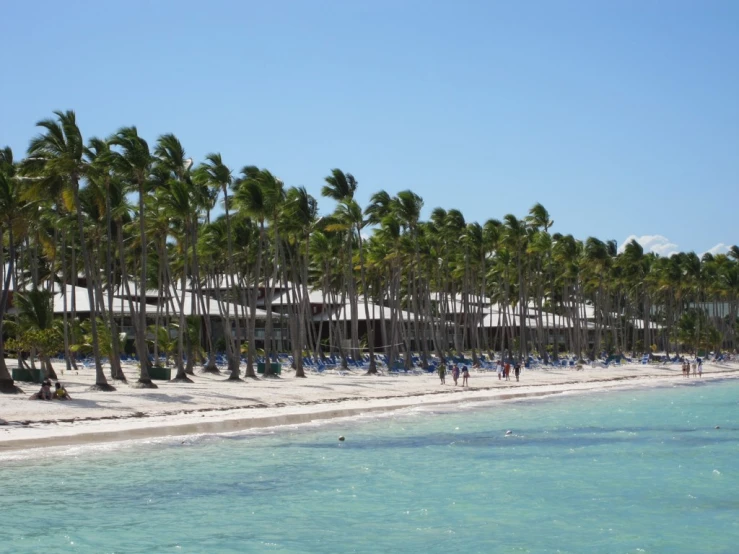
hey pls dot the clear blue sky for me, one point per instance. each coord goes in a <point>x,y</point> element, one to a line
<point>622,118</point>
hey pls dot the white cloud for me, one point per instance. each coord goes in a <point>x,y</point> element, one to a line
<point>720,248</point>
<point>652,243</point>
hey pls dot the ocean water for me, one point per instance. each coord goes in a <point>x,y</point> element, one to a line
<point>640,470</point>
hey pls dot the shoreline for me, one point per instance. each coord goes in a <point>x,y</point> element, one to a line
<point>37,432</point>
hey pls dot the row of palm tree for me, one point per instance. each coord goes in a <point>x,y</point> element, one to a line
<point>131,218</point>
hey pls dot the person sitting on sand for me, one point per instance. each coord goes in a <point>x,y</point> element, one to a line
<point>61,393</point>
<point>44,393</point>
<point>465,376</point>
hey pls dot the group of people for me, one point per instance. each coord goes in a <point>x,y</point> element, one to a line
<point>456,370</point>
<point>59,392</point>
<point>504,370</point>
<point>696,366</point>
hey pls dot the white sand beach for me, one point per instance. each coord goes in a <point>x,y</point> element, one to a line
<point>211,404</point>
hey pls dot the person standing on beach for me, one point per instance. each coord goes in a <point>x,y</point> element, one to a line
<point>507,371</point>
<point>455,373</point>
<point>517,369</point>
<point>700,367</point>
<point>695,368</point>
<point>442,373</point>
<point>465,376</point>
<point>500,370</point>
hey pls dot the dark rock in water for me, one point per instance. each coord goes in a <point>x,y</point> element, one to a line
<point>341,438</point>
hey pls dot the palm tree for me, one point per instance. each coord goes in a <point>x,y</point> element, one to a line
<point>260,195</point>
<point>216,175</point>
<point>350,216</point>
<point>10,218</point>
<point>298,218</point>
<point>180,204</point>
<point>341,187</point>
<point>407,206</point>
<point>58,154</point>
<point>133,162</point>
<point>99,158</point>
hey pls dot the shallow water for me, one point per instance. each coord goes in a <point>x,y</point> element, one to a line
<point>627,471</point>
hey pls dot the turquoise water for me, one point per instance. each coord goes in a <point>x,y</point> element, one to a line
<point>626,471</point>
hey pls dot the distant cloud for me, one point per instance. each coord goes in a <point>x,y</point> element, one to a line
<point>720,248</point>
<point>653,243</point>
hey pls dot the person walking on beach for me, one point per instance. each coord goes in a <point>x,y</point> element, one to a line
<point>517,369</point>
<point>507,371</point>
<point>442,373</point>
<point>500,370</point>
<point>455,373</point>
<point>700,367</point>
<point>465,376</point>
<point>695,368</point>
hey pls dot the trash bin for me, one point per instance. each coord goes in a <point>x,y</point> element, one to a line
<point>160,373</point>
<point>28,375</point>
<point>275,368</point>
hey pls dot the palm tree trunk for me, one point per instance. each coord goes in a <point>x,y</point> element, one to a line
<point>101,383</point>
<point>370,322</point>
<point>115,359</point>
<point>252,330</point>
<point>181,376</point>
<point>144,380</point>
<point>7,385</point>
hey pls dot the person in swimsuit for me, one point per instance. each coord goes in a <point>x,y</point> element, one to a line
<point>442,373</point>
<point>60,393</point>
<point>455,374</point>
<point>500,370</point>
<point>700,367</point>
<point>44,393</point>
<point>465,376</point>
<point>517,369</point>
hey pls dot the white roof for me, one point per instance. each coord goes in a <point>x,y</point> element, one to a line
<point>213,307</point>
<point>453,304</point>
<point>345,313</point>
<point>133,288</point>
<point>555,321</point>
<point>639,324</point>
<point>82,302</point>
<point>314,297</point>
<point>496,318</point>
<point>121,306</point>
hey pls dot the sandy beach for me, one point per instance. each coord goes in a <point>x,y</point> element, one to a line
<point>211,404</point>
